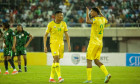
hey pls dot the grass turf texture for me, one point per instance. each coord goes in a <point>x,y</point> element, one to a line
<point>71,75</point>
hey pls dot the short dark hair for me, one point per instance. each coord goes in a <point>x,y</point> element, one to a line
<point>20,26</point>
<point>6,25</point>
<point>58,11</point>
<point>96,9</point>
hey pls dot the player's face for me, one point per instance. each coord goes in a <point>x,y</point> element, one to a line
<point>19,28</point>
<point>93,13</point>
<point>59,16</point>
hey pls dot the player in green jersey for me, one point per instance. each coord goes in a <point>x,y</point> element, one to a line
<point>0,37</point>
<point>9,47</point>
<point>21,44</point>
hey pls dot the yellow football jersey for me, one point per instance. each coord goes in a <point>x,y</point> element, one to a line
<point>56,31</point>
<point>97,29</point>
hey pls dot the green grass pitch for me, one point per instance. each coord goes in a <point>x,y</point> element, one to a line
<point>72,75</point>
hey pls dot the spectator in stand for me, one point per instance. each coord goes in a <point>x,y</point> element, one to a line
<point>30,10</point>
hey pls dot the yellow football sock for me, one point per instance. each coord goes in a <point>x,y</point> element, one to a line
<point>89,73</point>
<point>52,70</point>
<point>103,68</point>
<point>58,69</point>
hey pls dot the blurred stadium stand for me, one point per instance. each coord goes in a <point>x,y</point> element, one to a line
<point>122,33</point>
<point>37,13</point>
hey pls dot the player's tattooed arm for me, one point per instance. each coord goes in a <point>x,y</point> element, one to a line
<point>88,21</point>
<point>31,37</point>
<point>45,40</point>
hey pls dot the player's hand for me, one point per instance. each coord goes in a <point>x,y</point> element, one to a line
<point>87,9</point>
<point>69,47</point>
<point>45,49</point>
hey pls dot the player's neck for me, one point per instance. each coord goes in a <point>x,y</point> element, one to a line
<point>57,21</point>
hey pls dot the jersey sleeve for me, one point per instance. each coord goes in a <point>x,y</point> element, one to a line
<point>27,33</point>
<point>106,21</point>
<point>48,28</point>
<point>65,28</point>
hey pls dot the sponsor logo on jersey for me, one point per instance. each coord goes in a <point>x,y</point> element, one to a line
<point>22,34</point>
<point>7,34</point>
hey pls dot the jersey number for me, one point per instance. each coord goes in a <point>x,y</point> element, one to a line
<point>101,27</point>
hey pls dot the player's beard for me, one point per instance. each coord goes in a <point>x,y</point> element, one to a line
<point>61,19</point>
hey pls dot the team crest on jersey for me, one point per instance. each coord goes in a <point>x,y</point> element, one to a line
<point>7,34</point>
<point>22,35</point>
<point>93,19</point>
<point>54,26</point>
<point>75,59</point>
<point>19,36</point>
<point>54,52</point>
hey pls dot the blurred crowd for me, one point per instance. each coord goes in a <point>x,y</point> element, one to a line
<point>37,13</point>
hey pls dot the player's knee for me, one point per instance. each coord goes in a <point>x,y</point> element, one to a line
<point>89,66</point>
<point>89,63</point>
<point>8,58</point>
<point>19,58</point>
<point>96,61</point>
<point>53,61</point>
<point>24,56</point>
<point>5,58</point>
<point>56,59</point>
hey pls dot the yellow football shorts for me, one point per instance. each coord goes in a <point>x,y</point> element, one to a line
<point>57,49</point>
<point>94,51</point>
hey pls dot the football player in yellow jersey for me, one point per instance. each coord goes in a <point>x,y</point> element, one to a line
<point>95,44</point>
<point>56,29</point>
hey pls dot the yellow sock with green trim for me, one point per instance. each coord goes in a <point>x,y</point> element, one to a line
<point>58,69</point>
<point>89,70</point>
<point>52,71</point>
<point>103,68</point>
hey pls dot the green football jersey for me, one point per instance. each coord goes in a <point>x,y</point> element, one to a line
<point>21,38</point>
<point>8,37</point>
